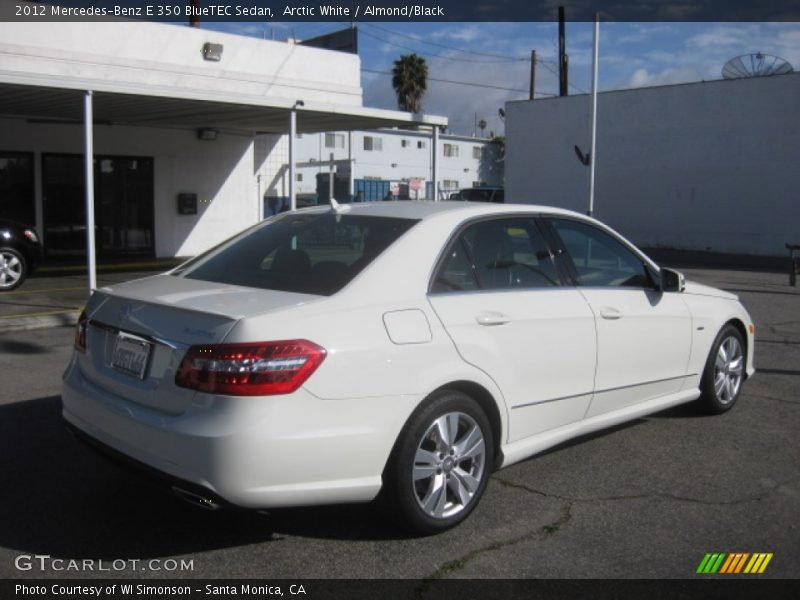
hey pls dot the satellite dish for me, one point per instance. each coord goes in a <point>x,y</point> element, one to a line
<point>755,65</point>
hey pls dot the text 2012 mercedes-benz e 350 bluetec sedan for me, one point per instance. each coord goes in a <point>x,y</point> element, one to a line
<point>400,350</point>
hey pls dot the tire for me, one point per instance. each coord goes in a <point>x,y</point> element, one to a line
<point>724,372</point>
<point>13,269</point>
<point>430,486</point>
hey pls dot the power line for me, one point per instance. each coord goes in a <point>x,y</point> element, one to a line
<point>446,46</point>
<point>546,64</point>
<point>554,72</point>
<point>468,83</point>
<point>441,56</point>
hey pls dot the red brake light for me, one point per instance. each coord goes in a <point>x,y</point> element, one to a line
<point>253,369</point>
<point>80,333</point>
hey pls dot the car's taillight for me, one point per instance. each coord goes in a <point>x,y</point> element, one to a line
<point>80,333</point>
<point>253,369</point>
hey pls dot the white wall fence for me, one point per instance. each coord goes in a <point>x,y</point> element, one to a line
<point>706,166</point>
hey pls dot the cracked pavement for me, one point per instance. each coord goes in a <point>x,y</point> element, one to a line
<point>644,499</point>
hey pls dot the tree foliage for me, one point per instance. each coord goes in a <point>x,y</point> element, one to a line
<point>410,81</point>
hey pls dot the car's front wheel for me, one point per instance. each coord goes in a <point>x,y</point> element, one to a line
<point>724,372</point>
<point>440,464</point>
<point>13,269</point>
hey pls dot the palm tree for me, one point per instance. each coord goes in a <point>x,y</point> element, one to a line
<point>410,81</point>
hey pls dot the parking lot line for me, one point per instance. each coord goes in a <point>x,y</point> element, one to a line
<point>42,314</point>
<point>47,291</point>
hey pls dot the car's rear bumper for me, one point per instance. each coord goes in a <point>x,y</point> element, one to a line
<point>255,452</point>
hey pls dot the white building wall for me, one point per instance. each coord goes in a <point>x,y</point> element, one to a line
<point>168,58</point>
<point>219,172</point>
<point>231,174</point>
<point>396,163</point>
<point>705,166</point>
<point>272,165</point>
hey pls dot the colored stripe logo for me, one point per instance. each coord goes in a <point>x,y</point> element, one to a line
<point>734,563</point>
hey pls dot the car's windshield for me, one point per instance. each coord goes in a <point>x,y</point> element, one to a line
<point>306,253</point>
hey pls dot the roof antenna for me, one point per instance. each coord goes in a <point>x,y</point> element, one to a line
<point>339,209</point>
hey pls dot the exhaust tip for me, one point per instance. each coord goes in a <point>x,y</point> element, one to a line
<point>196,499</point>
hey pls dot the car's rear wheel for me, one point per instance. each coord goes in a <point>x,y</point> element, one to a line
<point>724,372</point>
<point>440,464</point>
<point>13,269</point>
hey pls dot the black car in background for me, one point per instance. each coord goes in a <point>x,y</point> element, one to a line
<point>480,194</point>
<point>20,253</point>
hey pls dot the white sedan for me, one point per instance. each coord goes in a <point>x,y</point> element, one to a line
<point>395,350</point>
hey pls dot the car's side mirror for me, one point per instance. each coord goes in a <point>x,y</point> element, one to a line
<point>672,281</point>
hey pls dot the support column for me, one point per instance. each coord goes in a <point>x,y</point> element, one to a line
<point>292,176</point>
<point>351,182</point>
<point>331,175</point>
<point>88,150</point>
<point>435,169</point>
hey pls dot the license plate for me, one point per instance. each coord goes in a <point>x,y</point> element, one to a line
<point>130,355</point>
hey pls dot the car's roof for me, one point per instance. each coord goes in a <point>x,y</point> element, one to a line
<point>427,209</point>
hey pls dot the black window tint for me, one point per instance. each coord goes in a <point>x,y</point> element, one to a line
<point>599,259</point>
<point>310,254</point>
<point>456,272</point>
<point>16,187</point>
<point>510,253</point>
<point>474,195</point>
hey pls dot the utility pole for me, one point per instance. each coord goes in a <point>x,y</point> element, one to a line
<point>563,62</point>
<point>533,75</point>
<point>194,17</point>
<point>595,60</point>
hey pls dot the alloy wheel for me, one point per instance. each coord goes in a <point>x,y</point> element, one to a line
<point>10,270</point>
<point>449,465</point>
<point>728,370</point>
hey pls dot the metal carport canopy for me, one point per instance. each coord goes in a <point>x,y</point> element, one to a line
<point>45,98</point>
<point>68,99</point>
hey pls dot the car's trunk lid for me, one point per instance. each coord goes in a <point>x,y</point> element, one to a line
<point>139,331</point>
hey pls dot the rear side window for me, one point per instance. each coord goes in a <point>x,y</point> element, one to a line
<point>308,254</point>
<point>498,254</point>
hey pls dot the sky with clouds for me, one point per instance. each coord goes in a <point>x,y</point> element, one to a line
<point>496,57</point>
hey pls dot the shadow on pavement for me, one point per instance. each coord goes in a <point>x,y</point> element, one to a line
<point>17,347</point>
<point>61,499</point>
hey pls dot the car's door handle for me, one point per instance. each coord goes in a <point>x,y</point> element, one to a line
<point>611,313</point>
<point>492,318</point>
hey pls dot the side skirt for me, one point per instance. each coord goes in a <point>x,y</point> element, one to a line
<point>522,449</point>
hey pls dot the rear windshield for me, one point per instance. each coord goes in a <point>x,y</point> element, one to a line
<point>309,254</point>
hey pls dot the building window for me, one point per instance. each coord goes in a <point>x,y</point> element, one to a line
<point>450,185</point>
<point>421,144</point>
<point>478,184</point>
<point>373,144</point>
<point>299,177</point>
<point>404,143</point>
<point>477,152</point>
<point>123,204</point>
<point>334,140</point>
<point>16,187</point>
<point>451,150</point>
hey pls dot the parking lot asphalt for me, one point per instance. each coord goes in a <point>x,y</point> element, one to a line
<point>55,295</point>
<point>646,499</point>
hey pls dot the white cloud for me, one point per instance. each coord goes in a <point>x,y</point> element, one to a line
<point>468,33</point>
<point>643,78</point>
